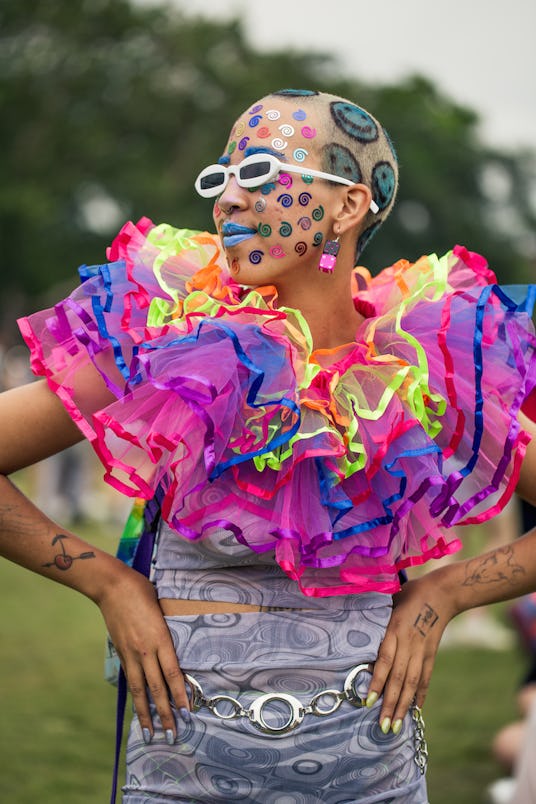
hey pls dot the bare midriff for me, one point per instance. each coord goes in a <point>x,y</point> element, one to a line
<point>172,607</point>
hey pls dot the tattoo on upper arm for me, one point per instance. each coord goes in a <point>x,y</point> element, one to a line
<point>426,619</point>
<point>494,568</point>
<point>63,560</point>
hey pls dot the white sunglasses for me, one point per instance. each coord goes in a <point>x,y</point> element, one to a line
<point>255,170</point>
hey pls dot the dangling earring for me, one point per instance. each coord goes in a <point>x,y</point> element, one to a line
<point>329,256</point>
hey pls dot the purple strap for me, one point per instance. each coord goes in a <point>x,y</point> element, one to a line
<point>119,719</point>
<point>141,563</point>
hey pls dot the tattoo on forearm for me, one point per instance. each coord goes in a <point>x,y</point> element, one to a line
<point>63,560</point>
<point>498,567</point>
<point>426,619</point>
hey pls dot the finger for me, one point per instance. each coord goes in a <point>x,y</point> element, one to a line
<point>382,669</point>
<point>393,690</point>
<point>424,683</point>
<point>136,685</point>
<point>159,693</point>
<point>175,681</point>
<point>408,692</point>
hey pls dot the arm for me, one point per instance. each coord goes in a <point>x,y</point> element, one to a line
<point>526,487</point>
<point>424,607</point>
<point>34,426</point>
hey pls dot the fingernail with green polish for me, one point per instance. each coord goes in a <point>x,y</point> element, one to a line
<point>372,697</point>
<point>170,737</point>
<point>385,724</point>
<point>397,725</point>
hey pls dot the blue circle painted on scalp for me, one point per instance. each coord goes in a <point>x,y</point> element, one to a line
<point>356,122</point>
<point>296,92</point>
<point>383,183</point>
<point>299,115</point>
<point>341,162</point>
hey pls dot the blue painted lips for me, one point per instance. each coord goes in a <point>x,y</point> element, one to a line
<point>233,233</point>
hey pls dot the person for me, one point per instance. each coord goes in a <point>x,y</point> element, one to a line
<point>308,435</point>
<point>511,748</point>
<point>524,788</point>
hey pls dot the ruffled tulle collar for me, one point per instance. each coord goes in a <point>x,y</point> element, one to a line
<point>349,463</point>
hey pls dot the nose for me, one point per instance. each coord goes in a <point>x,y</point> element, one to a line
<point>233,196</point>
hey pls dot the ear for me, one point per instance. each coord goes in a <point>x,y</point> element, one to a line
<point>354,206</point>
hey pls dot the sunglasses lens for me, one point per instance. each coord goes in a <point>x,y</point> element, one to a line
<point>255,172</point>
<point>212,181</point>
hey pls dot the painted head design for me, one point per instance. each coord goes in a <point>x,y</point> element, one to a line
<point>291,149</point>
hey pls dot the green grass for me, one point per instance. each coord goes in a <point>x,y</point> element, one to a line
<point>56,739</point>
<point>58,715</point>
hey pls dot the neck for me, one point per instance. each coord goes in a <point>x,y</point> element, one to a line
<point>326,303</point>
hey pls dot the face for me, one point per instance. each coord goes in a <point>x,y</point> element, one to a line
<point>281,225</point>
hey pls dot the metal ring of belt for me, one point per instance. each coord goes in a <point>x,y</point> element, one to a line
<point>296,709</point>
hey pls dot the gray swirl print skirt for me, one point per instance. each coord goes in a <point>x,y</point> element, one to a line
<point>338,758</point>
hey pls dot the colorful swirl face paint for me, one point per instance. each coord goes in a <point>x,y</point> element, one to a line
<point>255,256</point>
<point>285,179</point>
<point>285,199</point>
<point>285,230</point>
<point>264,229</point>
<point>274,222</point>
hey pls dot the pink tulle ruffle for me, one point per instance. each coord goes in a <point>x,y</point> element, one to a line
<point>350,464</point>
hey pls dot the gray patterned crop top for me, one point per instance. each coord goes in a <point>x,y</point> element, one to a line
<point>220,568</point>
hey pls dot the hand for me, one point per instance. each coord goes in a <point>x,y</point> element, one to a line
<point>406,657</point>
<point>141,637</point>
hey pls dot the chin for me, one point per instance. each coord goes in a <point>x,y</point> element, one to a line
<point>249,275</point>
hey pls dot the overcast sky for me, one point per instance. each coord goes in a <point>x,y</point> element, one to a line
<point>480,52</point>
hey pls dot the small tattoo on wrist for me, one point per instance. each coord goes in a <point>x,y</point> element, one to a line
<point>63,560</point>
<point>426,619</point>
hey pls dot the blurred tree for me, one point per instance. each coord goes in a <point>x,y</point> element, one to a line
<point>110,108</point>
<point>453,189</point>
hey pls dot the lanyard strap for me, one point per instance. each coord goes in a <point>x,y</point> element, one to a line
<point>141,563</point>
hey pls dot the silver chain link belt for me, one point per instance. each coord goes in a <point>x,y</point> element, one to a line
<point>421,748</point>
<point>297,710</point>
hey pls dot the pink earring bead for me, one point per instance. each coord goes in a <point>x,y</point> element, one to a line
<point>327,263</point>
